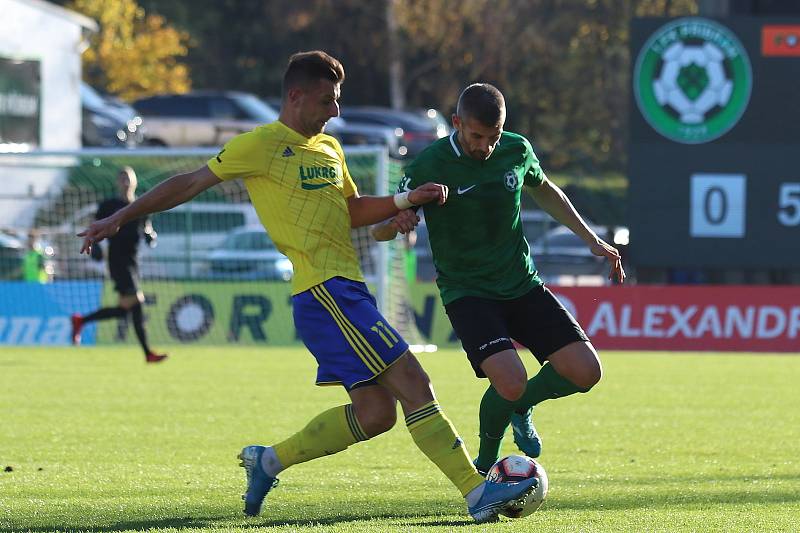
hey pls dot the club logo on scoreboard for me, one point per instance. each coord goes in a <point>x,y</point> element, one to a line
<point>692,80</point>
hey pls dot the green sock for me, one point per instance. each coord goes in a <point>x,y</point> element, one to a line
<point>495,413</point>
<point>546,385</point>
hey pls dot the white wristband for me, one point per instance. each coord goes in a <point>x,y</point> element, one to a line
<point>401,200</point>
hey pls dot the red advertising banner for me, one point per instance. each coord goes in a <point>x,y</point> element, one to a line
<point>780,41</point>
<point>706,318</point>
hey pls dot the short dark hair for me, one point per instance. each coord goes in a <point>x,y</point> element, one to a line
<point>483,102</point>
<point>308,67</point>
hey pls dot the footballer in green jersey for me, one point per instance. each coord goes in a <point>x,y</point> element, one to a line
<point>486,276</point>
<point>485,198</point>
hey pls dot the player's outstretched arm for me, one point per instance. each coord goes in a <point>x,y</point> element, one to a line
<point>553,200</point>
<point>166,195</point>
<point>403,222</point>
<point>368,210</point>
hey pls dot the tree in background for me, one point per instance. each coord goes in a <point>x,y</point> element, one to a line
<point>563,65</point>
<point>245,45</point>
<point>134,54</point>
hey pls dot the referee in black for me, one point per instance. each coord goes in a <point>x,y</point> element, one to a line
<point>123,266</point>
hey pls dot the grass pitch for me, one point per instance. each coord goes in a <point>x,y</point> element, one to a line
<point>97,441</point>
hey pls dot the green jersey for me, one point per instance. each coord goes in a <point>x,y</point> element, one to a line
<point>476,237</point>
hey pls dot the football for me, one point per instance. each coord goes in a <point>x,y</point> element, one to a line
<point>515,468</point>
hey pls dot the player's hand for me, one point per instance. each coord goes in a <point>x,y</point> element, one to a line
<point>429,192</point>
<point>97,231</point>
<point>602,249</point>
<point>151,238</point>
<point>405,221</point>
<point>96,253</point>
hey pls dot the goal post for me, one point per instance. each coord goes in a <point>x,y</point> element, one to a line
<point>214,277</point>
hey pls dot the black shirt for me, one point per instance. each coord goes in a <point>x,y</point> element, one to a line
<point>123,246</point>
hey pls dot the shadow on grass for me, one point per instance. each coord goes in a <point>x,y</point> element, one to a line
<point>137,525</point>
<point>217,522</point>
<point>406,513</point>
<point>398,519</point>
<point>314,516</point>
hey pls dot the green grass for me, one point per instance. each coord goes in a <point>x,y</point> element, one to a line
<point>98,441</point>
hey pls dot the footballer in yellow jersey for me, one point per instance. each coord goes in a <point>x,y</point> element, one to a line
<point>299,187</point>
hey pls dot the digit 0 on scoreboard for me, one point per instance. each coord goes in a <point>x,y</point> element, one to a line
<point>718,205</point>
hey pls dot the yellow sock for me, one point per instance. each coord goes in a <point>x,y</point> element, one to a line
<point>435,436</point>
<point>328,433</point>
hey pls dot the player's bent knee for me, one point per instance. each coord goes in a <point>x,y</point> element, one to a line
<point>376,423</point>
<point>128,302</point>
<point>588,377</point>
<point>507,374</point>
<point>378,416</point>
<point>511,388</point>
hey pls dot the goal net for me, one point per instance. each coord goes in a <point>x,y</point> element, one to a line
<point>214,276</point>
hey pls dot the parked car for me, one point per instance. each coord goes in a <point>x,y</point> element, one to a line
<point>354,134</point>
<point>438,120</point>
<point>12,253</point>
<point>186,235</point>
<point>536,223</point>
<point>413,131</point>
<point>247,253</point>
<point>108,123</point>
<point>365,134</point>
<point>560,252</point>
<point>202,118</point>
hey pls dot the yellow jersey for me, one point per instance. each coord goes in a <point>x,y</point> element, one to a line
<point>299,187</point>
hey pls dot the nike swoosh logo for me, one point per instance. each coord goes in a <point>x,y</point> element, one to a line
<point>462,191</point>
<point>314,186</point>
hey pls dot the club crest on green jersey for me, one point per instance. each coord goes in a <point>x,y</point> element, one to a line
<point>404,183</point>
<point>511,181</point>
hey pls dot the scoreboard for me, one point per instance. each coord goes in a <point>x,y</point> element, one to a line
<point>714,151</point>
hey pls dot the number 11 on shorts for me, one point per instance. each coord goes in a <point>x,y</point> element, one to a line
<point>385,333</point>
